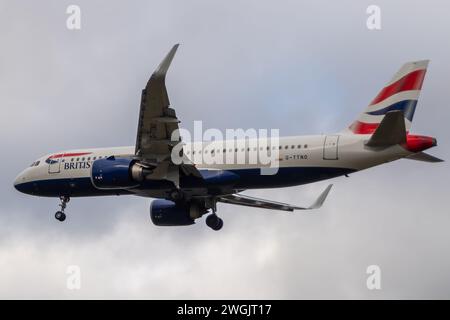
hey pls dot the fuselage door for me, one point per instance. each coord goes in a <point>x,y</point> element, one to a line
<point>54,165</point>
<point>330,147</point>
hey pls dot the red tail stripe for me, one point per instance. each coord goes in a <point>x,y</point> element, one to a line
<point>412,81</point>
<point>363,128</point>
<point>61,155</point>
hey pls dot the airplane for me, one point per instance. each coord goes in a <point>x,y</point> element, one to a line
<point>187,190</point>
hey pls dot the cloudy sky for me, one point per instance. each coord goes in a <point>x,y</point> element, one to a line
<point>300,66</point>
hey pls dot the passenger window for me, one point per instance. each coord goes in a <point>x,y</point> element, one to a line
<point>71,160</point>
<point>299,146</point>
<point>286,147</point>
<point>306,146</point>
<point>292,147</point>
<point>78,159</point>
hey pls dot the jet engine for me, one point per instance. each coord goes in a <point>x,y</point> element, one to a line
<point>168,213</point>
<point>117,173</point>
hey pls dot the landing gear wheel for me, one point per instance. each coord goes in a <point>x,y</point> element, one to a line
<point>61,216</point>
<point>214,222</point>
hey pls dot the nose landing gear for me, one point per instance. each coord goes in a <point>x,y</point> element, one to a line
<point>60,215</point>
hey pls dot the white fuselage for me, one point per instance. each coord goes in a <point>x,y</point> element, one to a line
<point>301,159</point>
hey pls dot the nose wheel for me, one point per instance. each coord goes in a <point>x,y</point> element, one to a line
<point>60,215</point>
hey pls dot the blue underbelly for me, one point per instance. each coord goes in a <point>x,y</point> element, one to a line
<point>234,179</point>
<point>286,177</point>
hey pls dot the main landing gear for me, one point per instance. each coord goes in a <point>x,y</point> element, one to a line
<point>213,221</point>
<point>60,215</point>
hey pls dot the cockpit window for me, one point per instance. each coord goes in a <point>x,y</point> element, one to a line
<point>34,164</point>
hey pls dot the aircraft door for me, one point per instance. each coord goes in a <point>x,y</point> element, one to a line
<point>330,147</point>
<point>54,165</point>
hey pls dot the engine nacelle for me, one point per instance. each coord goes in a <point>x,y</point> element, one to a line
<point>115,173</point>
<point>168,213</point>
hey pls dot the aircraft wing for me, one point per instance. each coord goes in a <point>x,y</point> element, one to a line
<point>248,201</point>
<point>157,122</point>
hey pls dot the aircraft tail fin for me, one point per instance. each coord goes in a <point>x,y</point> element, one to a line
<point>399,94</point>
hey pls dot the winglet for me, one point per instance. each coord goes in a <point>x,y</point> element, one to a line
<point>161,71</point>
<point>321,199</point>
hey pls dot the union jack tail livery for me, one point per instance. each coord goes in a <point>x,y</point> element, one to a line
<point>399,94</point>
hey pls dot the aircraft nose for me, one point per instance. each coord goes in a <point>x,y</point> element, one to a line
<point>18,182</point>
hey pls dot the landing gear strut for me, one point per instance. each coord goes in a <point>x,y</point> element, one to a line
<point>60,215</point>
<point>213,221</point>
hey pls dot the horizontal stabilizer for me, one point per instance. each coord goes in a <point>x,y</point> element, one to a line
<point>391,131</point>
<point>422,156</point>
